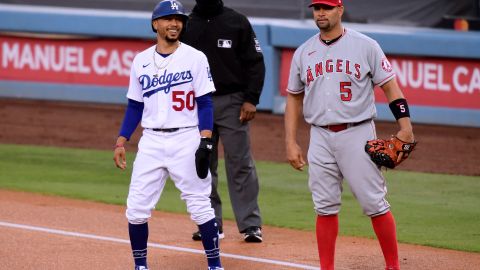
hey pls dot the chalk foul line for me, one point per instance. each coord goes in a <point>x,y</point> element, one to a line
<point>154,245</point>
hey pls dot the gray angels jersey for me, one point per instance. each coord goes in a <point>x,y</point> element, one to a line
<point>339,78</point>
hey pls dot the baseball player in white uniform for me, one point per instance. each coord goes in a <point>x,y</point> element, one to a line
<point>170,94</point>
<point>332,78</point>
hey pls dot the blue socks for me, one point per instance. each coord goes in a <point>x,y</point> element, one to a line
<point>138,240</point>
<point>209,231</point>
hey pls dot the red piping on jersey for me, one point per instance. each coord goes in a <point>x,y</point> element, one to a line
<point>295,91</point>
<point>386,80</point>
<point>321,42</point>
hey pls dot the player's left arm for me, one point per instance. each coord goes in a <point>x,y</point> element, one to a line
<point>204,87</point>
<point>399,107</point>
<point>383,76</point>
<point>205,115</point>
<point>205,125</point>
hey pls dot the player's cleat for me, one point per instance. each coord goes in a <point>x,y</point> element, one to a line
<point>253,235</point>
<point>197,236</point>
<point>140,267</point>
<point>215,268</point>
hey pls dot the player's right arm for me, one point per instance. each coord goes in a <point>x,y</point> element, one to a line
<point>119,156</point>
<point>293,111</point>
<point>133,116</point>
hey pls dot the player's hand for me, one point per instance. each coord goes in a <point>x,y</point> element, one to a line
<point>119,157</point>
<point>295,156</point>
<point>406,136</point>
<point>247,112</point>
<point>202,157</point>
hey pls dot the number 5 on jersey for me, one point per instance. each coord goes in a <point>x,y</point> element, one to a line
<point>345,91</point>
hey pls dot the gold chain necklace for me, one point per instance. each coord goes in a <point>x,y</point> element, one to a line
<point>166,60</point>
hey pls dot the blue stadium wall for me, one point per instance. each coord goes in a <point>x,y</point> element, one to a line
<point>274,35</point>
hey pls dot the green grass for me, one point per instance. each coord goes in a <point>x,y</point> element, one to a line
<point>430,209</point>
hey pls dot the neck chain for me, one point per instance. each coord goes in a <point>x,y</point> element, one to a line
<point>165,61</point>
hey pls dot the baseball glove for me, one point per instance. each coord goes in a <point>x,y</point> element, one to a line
<point>202,157</point>
<point>389,153</point>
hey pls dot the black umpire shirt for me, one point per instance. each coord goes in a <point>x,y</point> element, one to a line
<point>232,49</point>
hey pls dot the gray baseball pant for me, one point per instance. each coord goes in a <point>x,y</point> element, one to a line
<point>241,173</point>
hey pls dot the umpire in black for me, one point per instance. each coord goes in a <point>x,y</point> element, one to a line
<point>238,70</point>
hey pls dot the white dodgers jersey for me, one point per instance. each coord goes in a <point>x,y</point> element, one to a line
<point>168,86</point>
<point>338,79</point>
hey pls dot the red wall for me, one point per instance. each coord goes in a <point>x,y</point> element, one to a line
<point>103,62</point>
<point>453,83</point>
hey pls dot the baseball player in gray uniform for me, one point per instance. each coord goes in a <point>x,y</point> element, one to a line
<point>170,95</point>
<point>332,77</point>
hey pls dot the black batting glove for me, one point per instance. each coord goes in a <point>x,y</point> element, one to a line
<point>202,157</point>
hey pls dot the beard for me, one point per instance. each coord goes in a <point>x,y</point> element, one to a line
<point>171,37</point>
<point>171,40</point>
<point>324,26</point>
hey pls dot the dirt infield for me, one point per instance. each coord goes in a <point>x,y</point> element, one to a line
<point>83,235</point>
<point>79,235</point>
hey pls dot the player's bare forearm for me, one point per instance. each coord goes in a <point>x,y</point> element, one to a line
<point>119,156</point>
<point>406,130</point>
<point>392,92</point>
<point>293,111</point>
<point>206,133</point>
<point>121,140</point>
<point>295,156</point>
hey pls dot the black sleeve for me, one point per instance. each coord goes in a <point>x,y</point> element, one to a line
<point>252,63</point>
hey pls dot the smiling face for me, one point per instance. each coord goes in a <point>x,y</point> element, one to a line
<point>327,18</point>
<point>169,27</point>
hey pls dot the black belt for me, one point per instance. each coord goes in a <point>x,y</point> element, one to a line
<point>168,129</point>
<point>340,127</point>
<point>165,129</point>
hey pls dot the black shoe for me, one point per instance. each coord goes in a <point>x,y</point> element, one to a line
<point>253,235</point>
<point>197,236</point>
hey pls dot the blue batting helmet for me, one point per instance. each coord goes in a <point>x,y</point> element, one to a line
<point>168,7</point>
